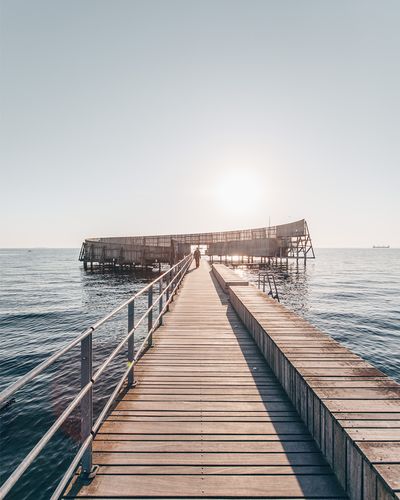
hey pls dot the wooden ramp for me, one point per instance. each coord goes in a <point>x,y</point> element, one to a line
<point>207,418</point>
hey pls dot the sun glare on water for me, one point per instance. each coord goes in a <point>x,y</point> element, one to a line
<point>239,192</point>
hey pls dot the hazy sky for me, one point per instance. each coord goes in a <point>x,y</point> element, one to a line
<point>142,117</point>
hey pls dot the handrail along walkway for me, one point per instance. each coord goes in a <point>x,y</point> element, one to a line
<point>172,279</point>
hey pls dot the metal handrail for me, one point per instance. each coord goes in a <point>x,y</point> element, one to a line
<point>273,289</point>
<point>174,276</point>
<point>106,408</point>
<point>5,394</point>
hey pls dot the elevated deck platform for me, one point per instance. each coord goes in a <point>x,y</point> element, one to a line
<point>285,241</point>
<point>208,417</point>
<point>226,277</point>
<point>350,407</point>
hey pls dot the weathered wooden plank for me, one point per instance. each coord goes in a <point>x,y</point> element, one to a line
<point>206,427</point>
<point>281,470</point>
<point>204,370</point>
<point>234,391</point>
<point>357,372</point>
<point>378,423</point>
<point>375,434</point>
<point>367,416</point>
<point>301,486</point>
<point>169,399</point>
<point>203,436</point>
<point>226,458</point>
<point>391,474</point>
<point>350,382</point>
<point>199,413</point>
<point>329,364</point>
<point>224,418</point>
<point>211,381</point>
<point>359,393</point>
<point>357,405</point>
<point>202,446</point>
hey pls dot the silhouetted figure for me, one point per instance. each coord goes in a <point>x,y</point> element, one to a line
<point>197,256</point>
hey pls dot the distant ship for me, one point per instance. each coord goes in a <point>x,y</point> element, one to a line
<point>381,246</point>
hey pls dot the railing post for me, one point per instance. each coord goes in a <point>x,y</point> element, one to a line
<point>168,288</point>
<point>150,315</point>
<point>171,290</point>
<point>131,342</point>
<point>87,402</point>
<point>179,272</point>
<point>264,283</point>
<point>160,301</point>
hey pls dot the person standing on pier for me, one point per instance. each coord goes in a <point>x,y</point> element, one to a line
<point>197,256</point>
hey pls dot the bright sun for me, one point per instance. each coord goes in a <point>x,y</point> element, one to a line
<point>238,192</point>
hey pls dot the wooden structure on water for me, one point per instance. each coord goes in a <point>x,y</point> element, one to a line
<point>242,398</point>
<point>286,241</point>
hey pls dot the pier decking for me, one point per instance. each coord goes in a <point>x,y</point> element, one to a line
<point>208,418</point>
<point>238,398</point>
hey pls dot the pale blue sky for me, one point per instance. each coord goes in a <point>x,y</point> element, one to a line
<point>127,117</point>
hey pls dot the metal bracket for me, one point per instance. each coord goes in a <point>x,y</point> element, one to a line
<point>89,476</point>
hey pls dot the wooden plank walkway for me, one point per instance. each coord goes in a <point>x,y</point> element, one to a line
<point>207,418</point>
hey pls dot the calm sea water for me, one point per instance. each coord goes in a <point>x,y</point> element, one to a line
<point>46,299</point>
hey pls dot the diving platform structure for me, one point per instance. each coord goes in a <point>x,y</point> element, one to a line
<point>285,241</point>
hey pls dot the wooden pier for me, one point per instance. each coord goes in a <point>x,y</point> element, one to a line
<point>237,397</point>
<point>207,418</point>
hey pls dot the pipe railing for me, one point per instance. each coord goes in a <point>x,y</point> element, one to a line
<point>168,284</point>
<point>262,280</point>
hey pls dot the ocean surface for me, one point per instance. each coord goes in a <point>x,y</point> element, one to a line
<point>46,299</point>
